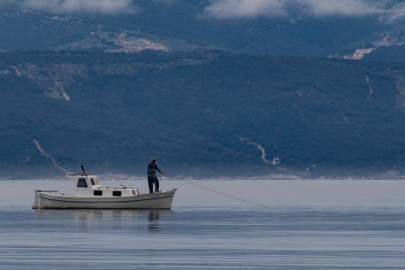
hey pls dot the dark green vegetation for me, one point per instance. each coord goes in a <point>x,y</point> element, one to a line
<point>182,25</point>
<point>190,110</point>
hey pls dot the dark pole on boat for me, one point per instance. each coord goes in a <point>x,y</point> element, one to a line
<point>84,172</point>
<point>155,180</point>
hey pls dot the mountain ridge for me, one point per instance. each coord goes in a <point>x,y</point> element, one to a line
<point>190,109</point>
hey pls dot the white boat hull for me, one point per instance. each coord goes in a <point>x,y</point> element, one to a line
<point>160,200</point>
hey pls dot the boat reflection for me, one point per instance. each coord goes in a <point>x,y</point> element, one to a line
<point>153,221</point>
<point>95,219</point>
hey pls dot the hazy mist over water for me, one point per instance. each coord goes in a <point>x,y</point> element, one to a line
<point>315,225</point>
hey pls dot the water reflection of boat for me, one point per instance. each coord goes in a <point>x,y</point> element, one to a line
<point>90,194</point>
<point>153,221</point>
<point>101,214</point>
<point>115,219</point>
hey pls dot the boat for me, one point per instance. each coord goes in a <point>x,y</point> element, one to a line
<point>89,194</point>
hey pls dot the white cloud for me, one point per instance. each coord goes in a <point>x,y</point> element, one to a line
<point>339,7</point>
<point>252,8</point>
<point>245,8</point>
<point>72,6</point>
<point>396,12</point>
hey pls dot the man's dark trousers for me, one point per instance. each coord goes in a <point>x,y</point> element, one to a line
<point>152,180</point>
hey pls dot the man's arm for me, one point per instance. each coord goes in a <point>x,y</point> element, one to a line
<point>159,170</point>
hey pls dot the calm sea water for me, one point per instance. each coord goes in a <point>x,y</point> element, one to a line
<point>315,225</point>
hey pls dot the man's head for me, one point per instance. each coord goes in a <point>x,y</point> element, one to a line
<point>153,160</point>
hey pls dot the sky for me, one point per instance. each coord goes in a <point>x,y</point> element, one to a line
<point>73,6</point>
<point>225,9</point>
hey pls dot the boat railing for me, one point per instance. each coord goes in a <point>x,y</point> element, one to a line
<point>116,187</point>
<point>47,190</point>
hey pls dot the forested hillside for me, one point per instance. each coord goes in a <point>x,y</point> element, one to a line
<point>199,114</point>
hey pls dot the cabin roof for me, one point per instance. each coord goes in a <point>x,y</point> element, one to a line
<point>81,175</point>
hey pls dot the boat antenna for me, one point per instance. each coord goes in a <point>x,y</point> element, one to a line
<point>84,172</point>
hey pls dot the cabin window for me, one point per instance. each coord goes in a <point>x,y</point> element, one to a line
<point>92,181</point>
<point>81,182</point>
<point>116,193</point>
<point>96,181</point>
<point>98,193</point>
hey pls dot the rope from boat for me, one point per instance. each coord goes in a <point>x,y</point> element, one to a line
<point>225,194</point>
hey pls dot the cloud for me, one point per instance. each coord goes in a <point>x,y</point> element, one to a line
<point>396,12</point>
<point>279,8</point>
<point>73,6</point>
<point>245,8</point>
<point>339,7</point>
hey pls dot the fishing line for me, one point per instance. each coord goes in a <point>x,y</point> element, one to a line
<point>225,194</point>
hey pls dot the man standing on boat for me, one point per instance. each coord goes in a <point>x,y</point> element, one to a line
<point>152,168</point>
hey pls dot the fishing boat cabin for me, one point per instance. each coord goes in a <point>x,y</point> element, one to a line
<point>87,185</point>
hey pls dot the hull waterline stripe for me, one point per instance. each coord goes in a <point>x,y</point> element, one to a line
<point>106,201</point>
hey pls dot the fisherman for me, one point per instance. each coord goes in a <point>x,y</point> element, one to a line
<point>152,168</point>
